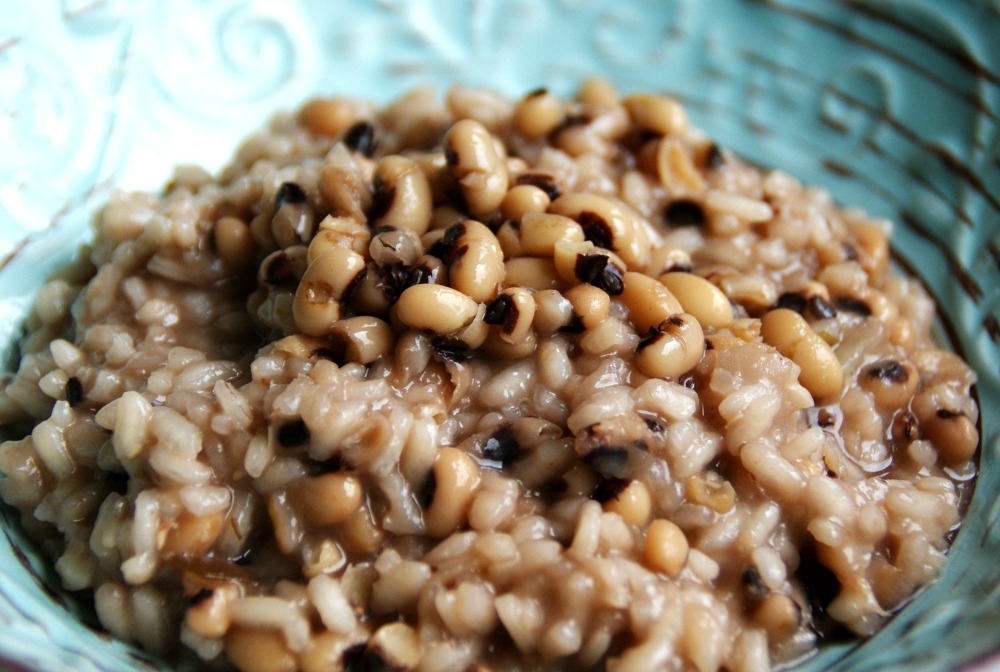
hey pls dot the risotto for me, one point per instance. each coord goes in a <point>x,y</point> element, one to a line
<point>487,384</point>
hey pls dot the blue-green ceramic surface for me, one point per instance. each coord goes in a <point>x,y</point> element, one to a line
<point>892,104</point>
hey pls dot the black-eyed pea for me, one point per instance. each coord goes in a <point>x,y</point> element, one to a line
<point>700,298</point>
<point>326,282</point>
<point>779,615</point>
<point>234,243</point>
<point>395,247</point>
<point>259,650</point>
<point>953,433</point>
<point>881,307</point>
<point>667,259</point>
<point>294,221</point>
<point>512,312</point>
<point>598,91</point>
<point>496,346</point>
<point>474,334</point>
<point>323,116</point>
<point>532,272</point>
<point>577,262</point>
<point>395,646</point>
<point>208,610</point>
<point>579,140</point>
<point>283,268</point>
<point>515,164</point>
<point>633,503</point>
<point>477,266</point>
<point>435,308</point>
<point>676,169</point>
<point>546,181</point>
<point>445,216</point>
<point>649,302</point>
<point>590,304</point>
<point>553,312</point>
<point>509,237</point>
<point>666,548</point>
<point>522,199</point>
<point>540,231</point>
<point>610,335</point>
<point>369,295</point>
<point>873,249</point>
<point>328,499</point>
<point>455,479</point>
<point>359,533</point>
<point>474,162</point>
<point>613,226</point>
<point>344,190</point>
<point>820,370</point>
<point>891,382</point>
<point>710,490</point>
<point>192,535</point>
<point>401,195</point>
<point>430,163</point>
<point>345,232</point>
<point>902,333</point>
<point>537,114</point>
<point>671,349</point>
<point>610,122</point>
<point>657,114</point>
<point>363,338</point>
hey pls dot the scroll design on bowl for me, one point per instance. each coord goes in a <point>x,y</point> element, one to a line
<point>230,54</point>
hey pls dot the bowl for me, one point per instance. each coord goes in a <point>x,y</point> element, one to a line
<point>891,106</point>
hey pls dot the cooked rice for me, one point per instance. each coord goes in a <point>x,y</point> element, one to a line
<point>219,445</point>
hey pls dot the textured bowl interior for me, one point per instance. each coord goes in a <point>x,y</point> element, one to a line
<point>890,104</point>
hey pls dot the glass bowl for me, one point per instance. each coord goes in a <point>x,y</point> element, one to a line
<point>891,106</point>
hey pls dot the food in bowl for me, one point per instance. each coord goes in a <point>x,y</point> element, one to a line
<point>490,384</point>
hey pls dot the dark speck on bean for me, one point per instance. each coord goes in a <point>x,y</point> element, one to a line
<point>293,433</point>
<point>754,584</point>
<point>502,311</point>
<point>852,305</point>
<point>279,269</point>
<point>543,182</point>
<point>820,308</point>
<point>74,391</point>
<point>574,326</point>
<point>423,275</point>
<point>607,461</point>
<point>684,212</point>
<point>595,229</point>
<point>289,192</point>
<point>427,489</point>
<point>353,658</point>
<point>791,301</point>
<point>653,425</point>
<point>382,198</point>
<point>890,371</point>
<point>715,157</point>
<point>596,269</point>
<point>361,138</point>
<point>444,249</point>
<point>608,488</point>
<point>502,447</point>
<point>199,597</point>
<point>946,414</point>
<point>451,351</point>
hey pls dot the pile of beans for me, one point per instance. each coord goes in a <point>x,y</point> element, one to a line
<point>489,385</point>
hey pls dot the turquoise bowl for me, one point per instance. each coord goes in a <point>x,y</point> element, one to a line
<point>892,105</point>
